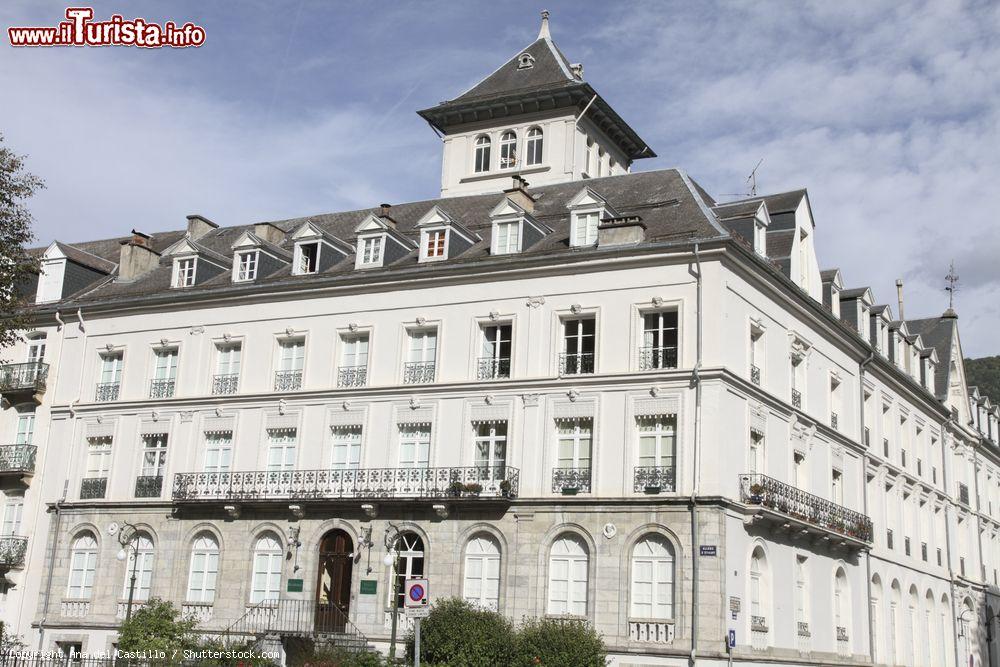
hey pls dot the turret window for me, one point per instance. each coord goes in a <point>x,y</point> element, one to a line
<point>482,154</point>
<point>508,150</point>
<point>533,147</point>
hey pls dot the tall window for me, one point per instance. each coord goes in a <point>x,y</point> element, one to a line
<point>659,340</point>
<point>800,478</point>
<point>246,266</point>
<point>371,250</point>
<point>414,445</point>
<point>36,349</point>
<point>837,486</point>
<point>421,356</point>
<point>82,567</point>
<point>508,237</point>
<point>482,154</point>
<point>355,350</point>
<point>578,346</point>
<point>267,557</point>
<point>13,511</point>
<point>508,150</point>
<point>141,558</point>
<point>568,576</point>
<point>25,427</point>
<point>346,448</point>
<point>218,451</point>
<point>293,354</point>
<point>281,449</point>
<point>652,579</point>
<point>154,454</point>
<point>491,447</point>
<point>875,609</point>
<point>759,589</point>
<point>98,457</point>
<point>801,592</point>
<point>204,569</point>
<point>756,353</point>
<point>657,440</point>
<point>533,147</point>
<point>841,601</point>
<point>228,359</point>
<point>585,228</point>
<point>482,572</point>
<point>495,359</point>
<point>307,260</point>
<point>165,366</point>
<point>756,457</point>
<point>574,443</point>
<point>111,367</point>
<point>409,549</point>
<point>434,244</point>
<point>184,272</point>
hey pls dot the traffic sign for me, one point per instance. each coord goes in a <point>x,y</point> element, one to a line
<point>416,594</point>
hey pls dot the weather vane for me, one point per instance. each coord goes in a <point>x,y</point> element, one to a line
<point>952,280</point>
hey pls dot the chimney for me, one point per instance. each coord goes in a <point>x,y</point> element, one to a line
<point>899,297</point>
<point>199,225</point>
<point>383,214</point>
<point>269,233</point>
<point>140,238</point>
<point>577,70</point>
<point>137,258</point>
<point>519,194</point>
<point>625,230</point>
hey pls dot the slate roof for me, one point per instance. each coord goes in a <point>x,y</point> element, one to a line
<point>86,258</point>
<point>782,202</point>
<point>549,69</point>
<point>938,333</point>
<point>741,209</point>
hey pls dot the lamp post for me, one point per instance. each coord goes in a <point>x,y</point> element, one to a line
<point>392,537</point>
<point>129,540</point>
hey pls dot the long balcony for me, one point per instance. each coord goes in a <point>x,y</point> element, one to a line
<point>801,513</point>
<point>493,368</point>
<point>418,372</point>
<point>570,481</point>
<point>576,364</point>
<point>352,376</point>
<point>161,388</point>
<point>12,551</point>
<point>287,380</point>
<point>93,487</point>
<point>498,482</point>
<point>23,382</point>
<point>654,479</point>
<point>225,385</point>
<point>17,460</point>
<point>656,358</point>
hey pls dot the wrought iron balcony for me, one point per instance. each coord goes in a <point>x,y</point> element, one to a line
<point>21,382</point>
<point>148,486</point>
<point>655,358</point>
<point>758,623</point>
<point>301,618</point>
<point>653,479</point>
<point>834,421</point>
<point>161,388</point>
<point>418,372</point>
<point>493,368</point>
<point>570,481</point>
<point>963,494</point>
<point>755,375</point>
<point>12,551</point>
<point>107,391</point>
<point>363,483</point>
<point>17,459</point>
<point>93,487</point>
<point>576,364</point>
<point>287,380</point>
<point>352,376</point>
<point>224,385</point>
<point>796,399</point>
<point>799,510</point>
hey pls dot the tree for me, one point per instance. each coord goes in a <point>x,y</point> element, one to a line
<point>17,267</point>
<point>985,374</point>
<point>157,626</point>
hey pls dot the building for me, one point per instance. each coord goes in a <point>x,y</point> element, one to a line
<point>600,395</point>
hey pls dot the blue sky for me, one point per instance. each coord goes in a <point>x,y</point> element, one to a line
<point>889,112</point>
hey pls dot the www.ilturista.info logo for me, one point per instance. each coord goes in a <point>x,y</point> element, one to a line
<point>80,30</point>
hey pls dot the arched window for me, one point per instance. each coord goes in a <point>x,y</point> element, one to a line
<point>947,646</point>
<point>801,596</point>
<point>267,556</point>
<point>410,550</point>
<point>482,572</point>
<point>508,150</point>
<point>533,147</point>
<point>82,567</point>
<point>568,574</point>
<point>653,578</point>
<point>913,628</point>
<point>204,568</point>
<point>841,606</point>
<point>482,154</point>
<point>893,637</point>
<point>140,556</point>
<point>931,630</point>
<point>760,599</point>
<point>875,604</point>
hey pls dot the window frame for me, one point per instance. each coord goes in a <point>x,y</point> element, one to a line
<point>507,144</point>
<point>655,584</point>
<point>273,556</point>
<point>482,158</point>
<point>488,561</point>
<point>371,251</point>
<point>80,583</point>
<point>182,276</point>
<point>245,272</point>
<point>577,218</point>
<point>572,603</point>
<point>534,147</point>
<point>209,572</point>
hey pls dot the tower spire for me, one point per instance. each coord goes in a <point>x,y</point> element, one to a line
<point>544,33</point>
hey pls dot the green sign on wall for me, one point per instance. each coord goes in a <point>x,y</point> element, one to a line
<point>369,586</point>
<point>294,586</point>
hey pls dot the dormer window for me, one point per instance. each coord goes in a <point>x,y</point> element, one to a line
<point>508,150</point>
<point>587,209</point>
<point>525,61</point>
<point>533,147</point>
<point>434,244</point>
<point>246,266</point>
<point>443,237</point>
<point>585,228</point>
<point>184,271</point>
<point>307,258</point>
<point>508,238</point>
<point>371,251</point>
<point>482,154</point>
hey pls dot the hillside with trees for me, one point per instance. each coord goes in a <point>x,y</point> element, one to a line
<point>985,374</point>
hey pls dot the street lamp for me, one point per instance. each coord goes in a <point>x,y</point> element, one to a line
<point>392,537</point>
<point>129,540</point>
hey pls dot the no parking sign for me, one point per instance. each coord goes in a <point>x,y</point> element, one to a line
<point>416,598</point>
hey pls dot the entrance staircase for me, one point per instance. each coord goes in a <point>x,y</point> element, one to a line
<point>324,624</point>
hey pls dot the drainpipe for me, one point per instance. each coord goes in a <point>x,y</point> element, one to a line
<point>79,315</point>
<point>948,543</point>
<point>696,377</point>
<point>52,567</point>
<point>59,319</point>
<point>864,495</point>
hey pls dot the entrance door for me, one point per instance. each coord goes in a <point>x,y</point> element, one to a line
<point>333,589</point>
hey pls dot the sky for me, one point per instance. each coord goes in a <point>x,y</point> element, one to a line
<point>888,111</point>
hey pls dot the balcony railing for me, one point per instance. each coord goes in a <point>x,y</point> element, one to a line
<point>418,372</point>
<point>755,375</point>
<point>834,421</point>
<point>653,479</point>
<point>576,364</point>
<point>161,388</point>
<point>223,385</point>
<point>493,368</point>
<point>301,618</point>
<point>107,391</point>
<point>18,380</point>
<point>786,499</point>
<point>18,459</point>
<point>655,358</point>
<point>363,483</point>
<point>287,380</point>
<point>93,487</point>
<point>352,376</point>
<point>148,486</point>
<point>963,494</point>
<point>570,481</point>
<point>796,399</point>
<point>12,551</point>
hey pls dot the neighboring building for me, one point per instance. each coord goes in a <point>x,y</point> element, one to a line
<point>603,395</point>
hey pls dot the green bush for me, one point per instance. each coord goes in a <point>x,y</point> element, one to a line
<point>157,626</point>
<point>457,634</point>
<point>556,643</point>
<point>304,653</point>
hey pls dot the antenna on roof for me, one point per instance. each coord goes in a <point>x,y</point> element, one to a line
<point>952,280</point>
<point>752,179</point>
<point>543,33</point>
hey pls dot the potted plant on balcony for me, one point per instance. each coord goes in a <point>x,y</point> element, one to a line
<point>756,493</point>
<point>456,488</point>
<point>505,488</point>
<point>473,488</point>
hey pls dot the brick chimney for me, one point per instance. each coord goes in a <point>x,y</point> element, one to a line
<point>137,258</point>
<point>199,225</point>
<point>625,230</point>
<point>383,214</point>
<point>519,194</point>
<point>269,233</point>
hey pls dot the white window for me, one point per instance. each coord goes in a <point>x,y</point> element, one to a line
<point>759,588</point>
<point>218,451</point>
<point>292,354</point>
<point>434,243</point>
<point>111,368</point>
<point>423,345</point>
<point>591,166</point>
<point>568,576</point>
<point>841,604</point>
<point>204,569</point>
<point>756,457</point>
<point>482,154</point>
<point>306,258</point>
<point>184,272</point>
<point>533,147</point>
<point>165,366</point>
<point>266,580</point>
<point>154,454</point>
<point>508,150</point>
<point>579,340</point>
<point>355,351</point>
<point>653,579</point>
<point>346,448</point>
<point>801,591</point>
<point>574,443</point>
<point>25,428</point>
<point>585,228</point>
<point>494,361</point>
<point>139,557</point>
<point>508,237</point>
<point>482,573</point>
<point>82,567</point>
<point>36,350</point>
<point>13,511</point>
<point>371,251</point>
<point>98,457</point>
<point>228,358</point>
<point>409,549</point>
<point>837,486</point>
<point>659,340</point>
<point>491,447</point>
<point>657,441</point>
<point>800,478</point>
<point>281,449</point>
<point>414,445</point>
<point>246,266</point>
